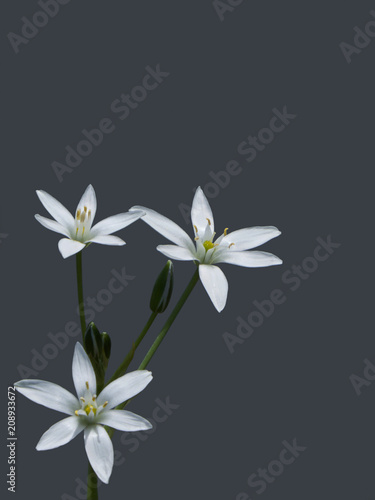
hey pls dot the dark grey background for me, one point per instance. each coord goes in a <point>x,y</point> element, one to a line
<point>291,378</point>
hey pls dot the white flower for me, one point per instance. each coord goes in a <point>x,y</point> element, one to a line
<point>78,229</point>
<point>89,412</point>
<point>229,247</point>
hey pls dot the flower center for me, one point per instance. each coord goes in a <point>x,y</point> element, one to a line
<point>89,407</point>
<point>208,245</point>
<point>83,222</point>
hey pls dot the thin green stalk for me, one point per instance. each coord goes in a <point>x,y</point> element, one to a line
<point>162,334</point>
<point>125,364</point>
<point>92,484</point>
<point>81,303</point>
<point>170,321</point>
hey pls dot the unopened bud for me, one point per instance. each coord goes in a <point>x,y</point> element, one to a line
<point>163,288</point>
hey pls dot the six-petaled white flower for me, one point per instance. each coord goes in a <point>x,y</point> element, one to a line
<point>231,248</point>
<point>89,412</point>
<point>79,230</point>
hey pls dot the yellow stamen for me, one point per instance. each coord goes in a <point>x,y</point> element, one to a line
<point>196,229</point>
<point>209,222</point>
<point>105,404</point>
<point>78,214</point>
<point>76,412</point>
<point>196,238</point>
<point>87,386</point>
<point>94,398</point>
<point>83,230</point>
<point>225,231</point>
<point>85,209</point>
<point>89,214</point>
<point>90,408</point>
<point>83,217</point>
<point>231,245</point>
<point>82,399</point>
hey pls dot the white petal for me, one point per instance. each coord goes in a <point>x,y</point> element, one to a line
<point>250,237</point>
<point>69,247</point>
<point>123,420</point>
<point>99,451</point>
<point>88,200</point>
<point>48,394</point>
<point>52,225</point>
<point>250,259</point>
<point>61,433</point>
<point>107,239</point>
<point>57,210</point>
<point>115,223</point>
<point>124,388</point>
<point>201,251</point>
<point>201,211</point>
<point>215,283</point>
<point>175,252</point>
<point>83,371</point>
<point>166,227</point>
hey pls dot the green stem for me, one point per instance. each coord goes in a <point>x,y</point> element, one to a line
<point>125,364</point>
<point>81,303</point>
<point>162,334</point>
<point>92,484</point>
<point>170,320</point>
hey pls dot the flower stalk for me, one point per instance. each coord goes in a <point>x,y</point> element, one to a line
<point>121,370</point>
<point>92,484</point>
<point>159,339</point>
<point>81,303</point>
<point>194,280</point>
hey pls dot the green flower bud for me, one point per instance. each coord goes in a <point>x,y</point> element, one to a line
<point>93,341</point>
<point>98,348</point>
<point>163,288</point>
<point>106,339</point>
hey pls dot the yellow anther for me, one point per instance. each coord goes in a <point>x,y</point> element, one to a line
<point>90,408</point>
<point>85,209</point>
<point>94,398</point>
<point>89,214</point>
<point>196,229</point>
<point>83,217</point>
<point>82,399</point>
<point>231,245</point>
<point>196,238</point>
<point>225,231</point>
<point>76,413</point>
<point>105,404</point>
<point>208,220</point>
<point>78,214</point>
<point>87,386</point>
<point>83,230</point>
